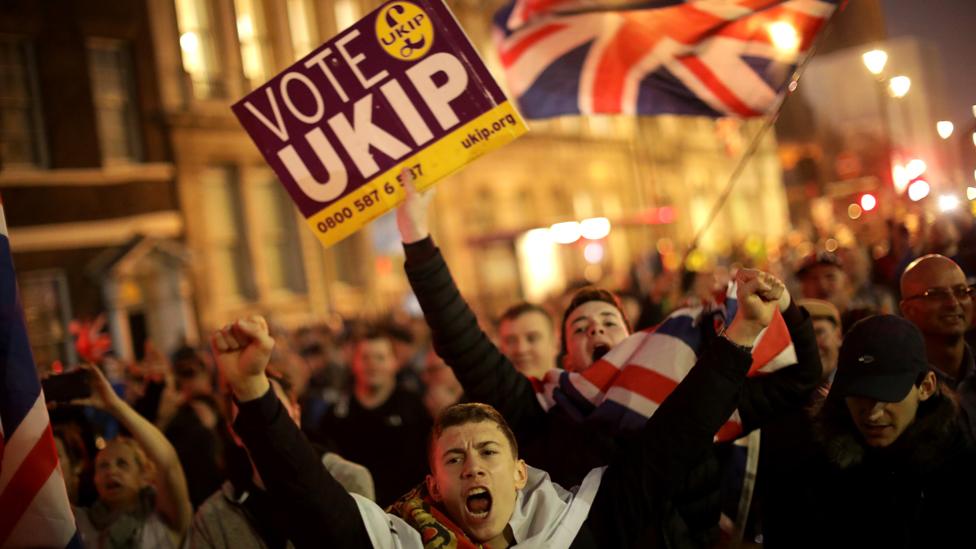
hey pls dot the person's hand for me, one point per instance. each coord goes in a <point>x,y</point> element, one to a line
<point>411,215</point>
<point>103,395</point>
<point>759,295</point>
<point>243,350</point>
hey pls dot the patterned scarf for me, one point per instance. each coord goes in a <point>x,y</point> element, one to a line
<point>437,530</point>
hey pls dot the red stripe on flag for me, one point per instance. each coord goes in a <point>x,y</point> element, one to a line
<point>601,374</point>
<point>26,482</point>
<point>729,431</point>
<point>714,84</point>
<point>647,383</point>
<point>510,56</point>
<point>774,341</point>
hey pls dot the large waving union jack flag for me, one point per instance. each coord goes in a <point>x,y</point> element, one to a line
<point>703,57</point>
<point>34,508</point>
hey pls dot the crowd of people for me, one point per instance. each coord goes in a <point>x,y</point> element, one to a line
<point>430,432</point>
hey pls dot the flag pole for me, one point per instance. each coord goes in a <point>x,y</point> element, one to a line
<point>757,138</point>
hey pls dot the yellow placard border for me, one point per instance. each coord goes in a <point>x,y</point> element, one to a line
<point>435,162</point>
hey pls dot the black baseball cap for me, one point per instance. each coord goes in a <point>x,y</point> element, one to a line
<point>881,358</point>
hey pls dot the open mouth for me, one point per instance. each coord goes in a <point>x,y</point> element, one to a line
<point>113,485</point>
<point>478,502</point>
<point>600,350</point>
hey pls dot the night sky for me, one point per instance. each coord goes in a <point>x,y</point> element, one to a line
<point>951,26</point>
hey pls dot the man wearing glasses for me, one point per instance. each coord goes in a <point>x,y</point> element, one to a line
<point>936,298</point>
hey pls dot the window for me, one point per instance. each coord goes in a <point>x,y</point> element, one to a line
<point>47,311</point>
<point>301,23</point>
<point>227,235</point>
<point>255,43</point>
<point>21,136</point>
<point>280,241</point>
<point>115,105</point>
<point>197,44</point>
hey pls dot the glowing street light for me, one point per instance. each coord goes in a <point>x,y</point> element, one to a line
<point>918,190</point>
<point>971,193</point>
<point>875,61</point>
<point>948,202</point>
<point>898,86</point>
<point>784,36</point>
<point>915,168</point>
<point>565,233</point>
<point>944,127</point>
<point>868,202</point>
<point>595,228</point>
<point>900,177</point>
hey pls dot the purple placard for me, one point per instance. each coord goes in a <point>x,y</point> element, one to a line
<point>391,85</point>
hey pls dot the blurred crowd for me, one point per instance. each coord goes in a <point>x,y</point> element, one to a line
<point>151,458</point>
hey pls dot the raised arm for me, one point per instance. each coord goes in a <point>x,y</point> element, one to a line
<point>322,513</point>
<point>645,476</point>
<point>484,372</point>
<point>172,497</point>
<point>766,397</point>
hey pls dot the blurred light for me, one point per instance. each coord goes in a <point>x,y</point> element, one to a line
<point>948,202</point>
<point>784,36</point>
<point>539,264</point>
<point>595,228</point>
<point>593,252</point>
<point>665,246</point>
<point>565,233</point>
<point>592,273</point>
<point>665,214</point>
<point>971,193</point>
<point>831,245</point>
<point>974,138</point>
<point>944,127</point>
<point>245,27</point>
<point>854,211</point>
<point>868,202</point>
<point>918,190</point>
<point>915,168</point>
<point>974,111</point>
<point>100,443</point>
<point>900,177</point>
<point>875,61</point>
<point>898,86</point>
<point>695,260</point>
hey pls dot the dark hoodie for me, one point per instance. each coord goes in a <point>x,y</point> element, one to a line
<point>918,492</point>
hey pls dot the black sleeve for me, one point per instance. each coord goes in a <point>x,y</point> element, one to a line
<point>767,397</point>
<point>484,372</point>
<point>321,513</point>
<point>148,404</point>
<point>642,478</point>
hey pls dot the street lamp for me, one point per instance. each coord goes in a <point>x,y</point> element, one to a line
<point>944,127</point>
<point>898,86</point>
<point>875,61</point>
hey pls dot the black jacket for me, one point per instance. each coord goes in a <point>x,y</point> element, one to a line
<point>916,493</point>
<point>566,447</point>
<point>637,484</point>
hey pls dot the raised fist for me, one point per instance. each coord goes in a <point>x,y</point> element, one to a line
<point>243,349</point>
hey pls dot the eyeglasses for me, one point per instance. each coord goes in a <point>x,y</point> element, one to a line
<point>961,293</point>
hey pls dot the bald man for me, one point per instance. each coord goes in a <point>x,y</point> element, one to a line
<point>938,301</point>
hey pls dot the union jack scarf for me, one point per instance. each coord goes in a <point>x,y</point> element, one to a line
<point>624,388</point>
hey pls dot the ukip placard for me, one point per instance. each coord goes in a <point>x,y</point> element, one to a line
<point>402,88</point>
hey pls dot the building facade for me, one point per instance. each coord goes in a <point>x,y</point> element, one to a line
<point>146,201</point>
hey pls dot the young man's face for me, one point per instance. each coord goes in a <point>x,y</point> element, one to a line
<point>881,423</point>
<point>591,330</point>
<point>529,341</point>
<point>374,362</point>
<point>118,475</point>
<point>476,478</point>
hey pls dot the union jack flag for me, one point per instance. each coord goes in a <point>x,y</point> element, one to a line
<point>625,387</point>
<point>34,508</point>
<point>702,57</point>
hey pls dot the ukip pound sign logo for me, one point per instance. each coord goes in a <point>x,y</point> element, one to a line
<point>404,31</point>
